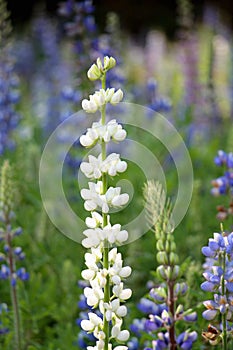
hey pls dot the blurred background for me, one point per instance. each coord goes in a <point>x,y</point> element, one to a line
<point>174,57</point>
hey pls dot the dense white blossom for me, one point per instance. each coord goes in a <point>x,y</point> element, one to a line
<point>99,132</point>
<point>95,167</point>
<point>112,234</point>
<point>100,98</point>
<point>114,309</point>
<point>104,270</point>
<point>95,197</point>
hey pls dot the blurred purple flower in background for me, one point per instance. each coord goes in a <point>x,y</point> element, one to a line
<point>9,83</point>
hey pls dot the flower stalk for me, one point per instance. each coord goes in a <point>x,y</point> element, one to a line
<point>105,222</point>
<point>167,292</point>
<point>14,296</point>
<point>219,281</point>
<point>105,271</point>
<point>11,254</point>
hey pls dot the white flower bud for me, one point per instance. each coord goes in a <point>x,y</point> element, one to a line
<point>96,320</point>
<point>86,141</point>
<point>121,166</point>
<point>109,94</point>
<point>116,97</point>
<point>99,64</point>
<point>125,272</point>
<point>90,242</point>
<point>120,200</point>
<point>122,236</point>
<point>85,104</point>
<point>120,135</point>
<point>87,325</point>
<point>123,335</point>
<point>126,294</point>
<point>87,274</point>
<point>111,63</point>
<point>121,311</point>
<point>112,255</point>
<point>94,73</point>
<point>116,279</point>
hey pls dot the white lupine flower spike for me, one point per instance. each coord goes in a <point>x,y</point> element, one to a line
<point>105,271</point>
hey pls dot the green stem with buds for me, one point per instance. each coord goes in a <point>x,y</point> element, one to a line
<point>13,288</point>
<point>105,222</point>
<point>14,298</point>
<point>224,318</point>
<point>171,297</point>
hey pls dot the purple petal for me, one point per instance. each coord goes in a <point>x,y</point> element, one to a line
<point>209,314</point>
<point>208,286</point>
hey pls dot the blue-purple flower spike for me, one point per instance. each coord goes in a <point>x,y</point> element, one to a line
<point>219,281</point>
<point>9,93</point>
<point>223,185</point>
<point>11,254</point>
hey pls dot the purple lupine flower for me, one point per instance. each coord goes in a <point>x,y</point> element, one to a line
<point>156,103</point>
<point>154,322</point>
<point>51,74</point>
<point>3,329</point>
<point>186,339</point>
<point>223,185</point>
<point>148,306</point>
<point>9,83</point>
<point>22,274</point>
<point>4,272</point>
<point>133,344</point>
<point>138,326</point>
<point>221,158</point>
<point>219,279</point>
<point>79,25</point>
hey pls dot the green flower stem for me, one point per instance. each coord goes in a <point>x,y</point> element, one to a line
<point>171,308</point>
<point>224,318</point>
<point>14,298</point>
<point>105,222</point>
<point>171,302</point>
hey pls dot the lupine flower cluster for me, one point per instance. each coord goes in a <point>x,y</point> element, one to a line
<point>164,310</point>
<point>219,281</point>
<point>223,185</point>
<point>11,255</point>
<point>50,75</point>
<point>157,103</point>
<point>80,26</point>
<point>9,95</point>
<point>105,271</point>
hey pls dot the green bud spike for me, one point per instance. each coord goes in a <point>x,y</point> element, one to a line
<point>6,191</point>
